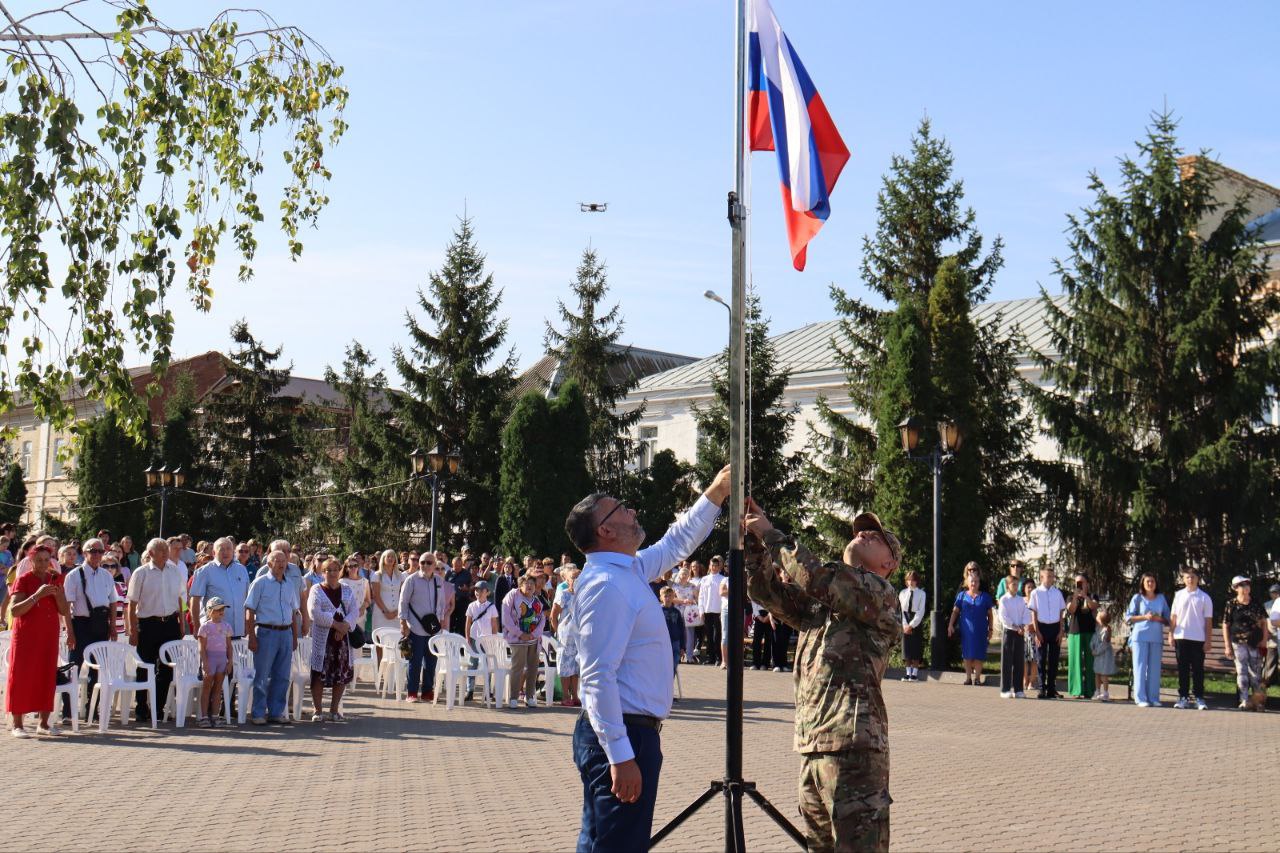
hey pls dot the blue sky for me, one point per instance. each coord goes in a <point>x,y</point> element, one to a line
<point>516,111</point>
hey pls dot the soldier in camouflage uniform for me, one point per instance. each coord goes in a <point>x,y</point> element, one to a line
<point>848,618</point>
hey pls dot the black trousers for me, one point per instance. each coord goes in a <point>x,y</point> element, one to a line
<point>1271,668</point>
<point>761,644</point>
<point>85,634</point>
<point>152,634</point>
<point>1190,668</point>
<point>1048,656</point>
<point>1013,652</point>
<point>711,634</point>
<point>781,639</point>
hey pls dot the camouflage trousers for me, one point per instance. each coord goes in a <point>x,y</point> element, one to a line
<point>844,800</point>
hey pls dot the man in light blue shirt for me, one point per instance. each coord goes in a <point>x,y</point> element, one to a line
<point>269,612</point>
<point>293,573</point>
<point>223,578</point>
<point>624,653</point>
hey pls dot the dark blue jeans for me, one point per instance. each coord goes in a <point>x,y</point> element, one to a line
<point>422,667</point>
<point>608,824</point>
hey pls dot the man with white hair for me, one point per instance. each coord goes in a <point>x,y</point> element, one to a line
<point>156,592</point>
<point>292,573</point>
<point>92,597</point>
<point>222,577</point>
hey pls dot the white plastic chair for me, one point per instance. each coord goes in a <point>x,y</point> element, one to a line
<point>498,662</point>
<point>184,657</point>
<point>113,661</point>
<point>679,689</point>
<point>548,653</point>
<point>300,682</point>
<point>363,660</point>
<point>392,670</point>
<point>241,678</point>
<point>71,689</point>
<point>453,667</point>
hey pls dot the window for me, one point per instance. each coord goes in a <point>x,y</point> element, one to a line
<point>25,459</point>
<point>648,446</point>
<point>58,445</point>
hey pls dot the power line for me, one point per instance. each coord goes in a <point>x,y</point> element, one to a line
<point>316,496</point>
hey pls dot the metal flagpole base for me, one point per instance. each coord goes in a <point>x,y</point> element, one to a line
<point>735,837</point>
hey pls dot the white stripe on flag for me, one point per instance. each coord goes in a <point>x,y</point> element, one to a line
<point>781,73</point>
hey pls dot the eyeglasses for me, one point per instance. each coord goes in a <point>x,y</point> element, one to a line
<point>110,565</point>
<point>619,505</point>
<point>96,551</point>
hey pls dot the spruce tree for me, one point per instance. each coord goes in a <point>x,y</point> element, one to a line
<point>1160,363</point>
<point>362,455</point>
<point>774,475</point>
<point>248,439</point>
<point>588,351</point>
<point>659,492</point>
<point>108,473</point>
<point>924,356</point>
<point>13,494</point>
<point>544,469</point>
<point>457,387</point>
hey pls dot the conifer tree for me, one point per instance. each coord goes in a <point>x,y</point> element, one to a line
<point>924,356</point>
<point>774,474</point>
<point>362,455</point>
<point>588,351</point>
<point>13,494</point>
<point>248,439</point>
<point>544,469</point>
<point>457,385</point>
<point>1161,361</point>
<point>108,472</point>
<point>659,492</point>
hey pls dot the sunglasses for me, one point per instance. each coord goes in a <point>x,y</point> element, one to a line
<point>619,505</point>
<point>110,565</point>
<point>96,551</point>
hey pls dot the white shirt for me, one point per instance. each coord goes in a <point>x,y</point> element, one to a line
<point>709,598</point>
<point>158,592</point>
<point>1047,604</point>
<point>1014,612</point>
<point>1190,609</point>
<point>482,627</point>
<point>912,601</point>
<point>624,650</point>
<point>101,587</point>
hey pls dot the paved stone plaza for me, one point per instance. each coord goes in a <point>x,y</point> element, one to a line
<point>970,772</point>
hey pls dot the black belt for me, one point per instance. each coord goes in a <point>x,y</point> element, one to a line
<point>275,627</point>
<point>642,720</point>
<point>173,615</point>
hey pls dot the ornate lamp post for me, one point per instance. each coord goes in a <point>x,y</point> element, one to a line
<point>438,466</point>
<point>949,439</point>
<point>164,482</point>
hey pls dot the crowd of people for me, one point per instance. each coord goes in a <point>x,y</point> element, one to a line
<point>1035,620</point>
<point>71,595</point>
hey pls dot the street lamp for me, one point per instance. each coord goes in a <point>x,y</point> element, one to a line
<point>949,439</point>
<point>438,466</point>
<point>164,482</point>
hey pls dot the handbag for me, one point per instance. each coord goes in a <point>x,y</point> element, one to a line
<point>355,637</point>
<point>431,622</point>
<point>693,616</point>
<point>64,673</point>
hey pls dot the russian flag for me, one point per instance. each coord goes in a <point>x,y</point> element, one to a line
<point>786,114</point>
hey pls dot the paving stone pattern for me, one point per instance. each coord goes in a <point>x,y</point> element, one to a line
<point>415,777</point>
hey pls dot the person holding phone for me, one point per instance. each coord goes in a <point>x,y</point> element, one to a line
<point>1081,623</point>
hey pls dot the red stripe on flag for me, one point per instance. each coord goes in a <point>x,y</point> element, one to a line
<point>801,228</point>
<point>759,130</point>
<point>832,152</point>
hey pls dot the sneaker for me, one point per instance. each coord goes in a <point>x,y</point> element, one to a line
<point>204,723</point>
<point>1243,706</point>
<point>1019,695</point>
<point>260,721</point>
<point>20,732</point>
<point>412,697</point>
<point>48,731</point>
<point>1182,704</point>
<point>1144,704</point>
<point>1201,706</point>
<point>756,667</point>
<point>338,717</point>
<point>513,704</point>
<point>1104,697</point>
<point>317,718</point>
<point>1005,695</point>
<point>906,678</point>
<point>531,702</point>
<point>279,721</point>
<point>777,669</point>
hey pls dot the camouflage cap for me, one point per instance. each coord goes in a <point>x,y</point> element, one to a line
<point>870,521</point>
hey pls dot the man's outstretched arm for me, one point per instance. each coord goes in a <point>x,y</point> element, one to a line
<point>689,531</point>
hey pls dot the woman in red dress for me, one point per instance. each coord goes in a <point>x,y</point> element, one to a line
<point>38,604</point>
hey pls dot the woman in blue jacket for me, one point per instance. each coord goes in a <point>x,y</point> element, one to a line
<point>1147,615</point>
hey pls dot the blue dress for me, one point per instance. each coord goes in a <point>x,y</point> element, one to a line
<point>973,623</point>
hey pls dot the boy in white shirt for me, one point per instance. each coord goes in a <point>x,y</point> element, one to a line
<point>1191,635</point>
<point>1047,605</point>
<point>1015,617</point>
<point>482,620</point>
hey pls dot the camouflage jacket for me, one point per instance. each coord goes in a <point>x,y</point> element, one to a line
<point>848,620</point>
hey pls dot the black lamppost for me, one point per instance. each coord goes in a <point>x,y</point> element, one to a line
<point>949,438</point>
<point>433,466</point>
<point>164,482</point>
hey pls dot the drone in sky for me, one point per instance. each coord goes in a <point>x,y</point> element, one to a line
<point>593,206</point>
